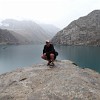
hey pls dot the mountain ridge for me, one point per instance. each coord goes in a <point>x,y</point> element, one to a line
<point>6,37</point>
<point>83,31</point>
<point>31,32</point>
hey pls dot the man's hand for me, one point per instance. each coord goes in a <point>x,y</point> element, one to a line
<point>44,54</point>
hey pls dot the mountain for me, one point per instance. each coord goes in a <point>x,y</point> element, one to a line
<point>8,37</point>
<point>83,31</point>
<point>50,29</point>
<point>31,31</point>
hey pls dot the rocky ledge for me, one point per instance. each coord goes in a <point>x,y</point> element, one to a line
<point>66,81</point>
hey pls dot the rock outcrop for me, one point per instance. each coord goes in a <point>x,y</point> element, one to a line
<point>84,31</point>
<point>66,81</point>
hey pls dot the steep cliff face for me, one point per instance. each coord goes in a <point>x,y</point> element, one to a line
<point>66,81</point>
<point>84,31</point>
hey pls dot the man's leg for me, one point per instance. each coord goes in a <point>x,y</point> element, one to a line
<point>52,58</point>
<point>44,56</point>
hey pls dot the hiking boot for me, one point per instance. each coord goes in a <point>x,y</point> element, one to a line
<point>48,63</point>
<point>52,64</point>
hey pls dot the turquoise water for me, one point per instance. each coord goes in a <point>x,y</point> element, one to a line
<point>13,57</point>
<point>85,57</point>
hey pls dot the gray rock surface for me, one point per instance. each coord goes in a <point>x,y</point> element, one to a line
<point>83,31</point>
<point>65,81</point>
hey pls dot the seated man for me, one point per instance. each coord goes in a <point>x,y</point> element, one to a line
<point>49,53</point>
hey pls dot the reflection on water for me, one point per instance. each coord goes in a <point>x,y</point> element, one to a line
<point>12,57</point>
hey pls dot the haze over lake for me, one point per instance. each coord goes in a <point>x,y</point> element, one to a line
<point>18,56</point>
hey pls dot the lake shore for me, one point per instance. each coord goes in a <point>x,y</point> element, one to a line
<point>66,81</point>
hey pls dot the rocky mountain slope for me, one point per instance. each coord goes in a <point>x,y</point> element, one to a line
<point>66,81</point>
<point>31,32</point>
<point>7,37</point>
<point>83,31</point>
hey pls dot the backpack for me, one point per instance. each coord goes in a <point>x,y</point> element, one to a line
<point>56,53</point>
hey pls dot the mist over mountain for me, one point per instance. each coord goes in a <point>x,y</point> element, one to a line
<point>50,29</point>
<point>30,31</point>
<point>83,31</point>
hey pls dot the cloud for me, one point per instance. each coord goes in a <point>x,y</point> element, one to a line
<point>57,12</point>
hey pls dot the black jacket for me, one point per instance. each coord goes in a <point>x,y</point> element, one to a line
<point>49,49</point>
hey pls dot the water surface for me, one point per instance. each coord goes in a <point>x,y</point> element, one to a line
<point>12,56</point>
<point>83,56</point>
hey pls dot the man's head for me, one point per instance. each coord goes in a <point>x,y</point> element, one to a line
<point>47,42</point>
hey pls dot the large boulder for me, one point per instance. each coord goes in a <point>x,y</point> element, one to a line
<point>66,81</point>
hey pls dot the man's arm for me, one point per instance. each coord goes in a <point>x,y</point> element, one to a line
<point>52,49</point>
<point>44,50</point>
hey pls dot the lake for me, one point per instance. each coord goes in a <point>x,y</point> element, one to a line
<point>17,56</point>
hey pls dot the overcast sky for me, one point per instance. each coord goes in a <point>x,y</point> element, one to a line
<point>57,12</point>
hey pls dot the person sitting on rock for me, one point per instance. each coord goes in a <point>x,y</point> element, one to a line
<point>49,53</point>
